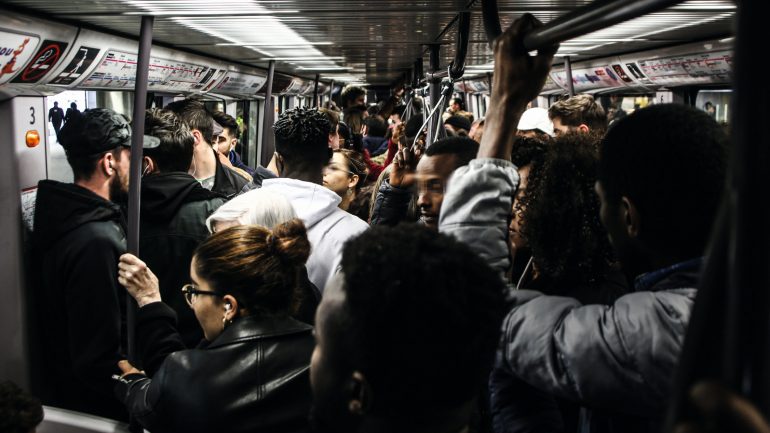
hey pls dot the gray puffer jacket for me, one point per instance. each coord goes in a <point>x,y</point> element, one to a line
<point>618,358</point>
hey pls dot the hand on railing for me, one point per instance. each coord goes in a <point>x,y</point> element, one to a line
<point>138,280</point>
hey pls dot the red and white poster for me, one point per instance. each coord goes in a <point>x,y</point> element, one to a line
<point>15,51</point>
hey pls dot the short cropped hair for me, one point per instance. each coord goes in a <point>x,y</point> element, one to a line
<point>228,122</point>
<point>19,411</point>
<point>580,109</point>
<point>302,137</point>
<point>375,126</point>
<point>463,147</point>
<point>425,340</point>
<point>193,112</point>
<point>176,141</point>
<point>671,162</point>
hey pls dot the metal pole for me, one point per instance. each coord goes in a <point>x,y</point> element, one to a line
<point>135,185</point>
<point>316,103</point>
<point>331,90</point>
<point>568,70</point>
<point>435,93</point>
<point>582,21</point>
<point>268,118</point>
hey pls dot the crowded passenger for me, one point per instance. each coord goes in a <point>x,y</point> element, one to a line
<point>19,411</point>
<point>79,234</point>
<point>227,142</point>
<point>302,152</point>
<point>353,100</point>
<point>406,353</point>
<point>428,176</point>
<point>206,166</point>
<point>457,125</point>
<point>615,359</point>
<point>346,175</point>
<point>268,209</point>
<point>174,208</point>
<point>375,130</point>
<point>580,113</point>
<point>535,123</point>
<point>252,376</point>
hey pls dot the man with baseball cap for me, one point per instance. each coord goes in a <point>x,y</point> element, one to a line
<point>535,123</point>
<point>79,234</point>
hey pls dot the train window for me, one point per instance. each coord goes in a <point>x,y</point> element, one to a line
<point>716,103</point>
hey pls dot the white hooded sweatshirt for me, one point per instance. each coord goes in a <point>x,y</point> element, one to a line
<point>328,226</point>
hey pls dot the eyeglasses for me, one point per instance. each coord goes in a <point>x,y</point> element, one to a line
<point>191,291</point>
<point>333,167</point>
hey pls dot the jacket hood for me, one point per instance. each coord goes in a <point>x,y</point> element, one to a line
<point>375,145</point>
<point>311,201</point>
<point>164,193</point>
<point>63,207</point>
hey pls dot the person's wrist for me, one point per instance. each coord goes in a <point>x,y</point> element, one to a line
<point>151,298</point>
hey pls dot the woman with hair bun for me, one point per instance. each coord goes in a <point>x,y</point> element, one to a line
<point>251,372</point>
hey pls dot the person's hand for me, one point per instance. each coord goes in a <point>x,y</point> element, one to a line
<point>720,410</point>
<point>138,280</point>
<point>126,368</point>
<point>404,164</point>
<point>518,75</point>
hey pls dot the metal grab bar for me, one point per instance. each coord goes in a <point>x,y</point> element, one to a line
<point>583,20</point>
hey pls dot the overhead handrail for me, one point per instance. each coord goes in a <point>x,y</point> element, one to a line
<point>581,21</point>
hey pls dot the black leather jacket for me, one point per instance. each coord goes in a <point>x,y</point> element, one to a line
<point>254,377</point>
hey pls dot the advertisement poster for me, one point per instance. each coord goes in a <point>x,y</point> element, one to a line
<point>79,64</point>
<point>43,62</point>
<point>695,68</point>
<point>242,84</point>
<point>117,70</point>
<point>15,52</point>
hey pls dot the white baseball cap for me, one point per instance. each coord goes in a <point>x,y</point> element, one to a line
<point>536,118</point>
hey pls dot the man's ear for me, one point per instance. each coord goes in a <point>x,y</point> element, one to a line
<point>198,136</point>
<point>107,164</point>
<point>631,217</point>
<point>149,165</point>
<point>360,395</point>
<point>583,128</point>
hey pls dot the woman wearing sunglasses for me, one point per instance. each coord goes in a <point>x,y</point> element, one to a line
<point>251,371</point>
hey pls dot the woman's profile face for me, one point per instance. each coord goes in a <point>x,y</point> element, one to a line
<point>209,309</point>
<point>336,175</point>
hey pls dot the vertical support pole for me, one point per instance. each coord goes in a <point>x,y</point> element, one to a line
<point>435,93</point>
<point>331,92</point>
<point>267,120</point>
<point>135,186</point>
<point>568,70</point>
<point>316,101</point>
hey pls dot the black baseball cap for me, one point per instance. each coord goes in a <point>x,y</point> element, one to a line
<point>99,130</point>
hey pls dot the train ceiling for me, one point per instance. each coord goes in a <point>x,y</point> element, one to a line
<point>366,41</point>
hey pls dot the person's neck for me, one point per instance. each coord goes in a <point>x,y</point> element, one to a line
<point>96,185</point>
<point>312,176</point>
<point>347,199</point>
<point>204,163</point>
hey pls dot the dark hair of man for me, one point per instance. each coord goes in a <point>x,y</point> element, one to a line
<point>580,109</point>
<point>375,126</point>
<point>350,93</point>
<point>175,152</point>
<point>569,245</point>
<point>465,149</point>
<point>332,116</point>
<point>83,166</point>
<point>258,266</point>
<point>302,137</point>
<point>671,162</point>
<point>19,411</point>
<point>73,105</point>
<point>423,319</point>
<point>193,112</point>
<point>228,122</point>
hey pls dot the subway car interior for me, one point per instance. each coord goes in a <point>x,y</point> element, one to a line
<point>257,61</point>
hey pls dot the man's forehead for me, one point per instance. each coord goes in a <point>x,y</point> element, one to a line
<point>440,166</point>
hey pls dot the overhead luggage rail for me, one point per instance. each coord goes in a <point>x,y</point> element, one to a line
<point>582,21</point>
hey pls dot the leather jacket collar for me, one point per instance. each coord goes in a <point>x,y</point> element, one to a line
<point>257,327</point>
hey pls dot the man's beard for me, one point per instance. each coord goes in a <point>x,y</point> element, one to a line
<point>118,190</point>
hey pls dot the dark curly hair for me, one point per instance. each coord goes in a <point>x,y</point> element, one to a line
<point>302,137</point>
<point>561,216</point>
<point>19,411</point>
<point>425,337</point>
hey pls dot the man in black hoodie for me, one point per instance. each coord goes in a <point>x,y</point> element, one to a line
<point>174,211</point>
<point>79,234</point>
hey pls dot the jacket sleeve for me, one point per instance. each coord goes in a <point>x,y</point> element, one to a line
<point>477,207</point>
<point>156,335</point>
<point>94,313</point>
<point>619,357</point>
<point>142,398</point>
<point>391,205</point>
